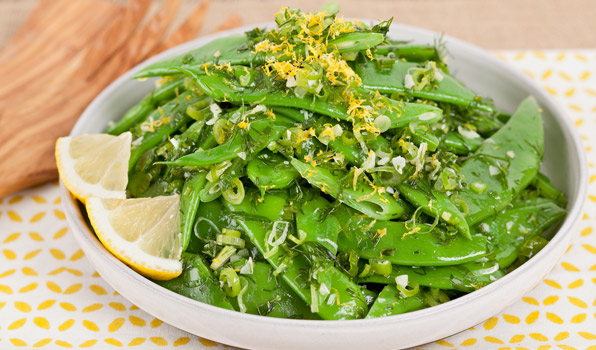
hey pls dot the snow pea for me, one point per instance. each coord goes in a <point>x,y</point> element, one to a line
<point>404,243</point>
<point>271,207</point>
<point>363,198</point>
<point>312,219</point>
<point>141,110</point>
<point>517,224</point>
<point>271,172</point>
<point>461,145</point>
<point>265,295</point>
<point>189,203</point>
<point>336,296</point>
<point>504,164</point>
<point>197,282</point>
<point>222,88</point>
<point>163,122</point>
<point>235,50</point>
<point>434,203</point>
<point>465,277</point>
<point>410,53</point>
<point>390,302</point>
<point>260,134</point>
<point>231,49</point>
<point>546,189</point>
<point>392,81</point>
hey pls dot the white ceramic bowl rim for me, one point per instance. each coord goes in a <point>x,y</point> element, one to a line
<point>573,213</point>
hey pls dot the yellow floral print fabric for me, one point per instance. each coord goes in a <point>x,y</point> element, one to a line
<point>51,297</point>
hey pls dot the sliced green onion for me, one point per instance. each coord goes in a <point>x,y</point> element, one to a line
<point>230,282</point>
<point>230,240</point>
<point>230,232</point>
<point>300,239</point>
<point>222,130</point>
<point>366,271</point>
<point>223,256</point>
<point>314,300</point>
<point>275,239</point>
<point>244,285</point>
<point>383,123</point>
<point>478,187</point>
<point>235,193</point>
<point>414,287</point>
<point>381,266</point>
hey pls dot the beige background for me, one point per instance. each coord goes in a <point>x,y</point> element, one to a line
<point>492,24</point>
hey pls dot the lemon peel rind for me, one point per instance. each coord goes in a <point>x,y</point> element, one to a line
<point>145,264</point>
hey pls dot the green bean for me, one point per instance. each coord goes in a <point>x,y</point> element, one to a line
<point>141,110</point>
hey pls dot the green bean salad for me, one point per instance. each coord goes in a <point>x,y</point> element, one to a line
<point>329,172</point>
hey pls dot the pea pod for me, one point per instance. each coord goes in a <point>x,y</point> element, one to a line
<point>313,221</point>
<point>225,50</point>
<point>461,145</point>
<point>392,80</point>
<point>339,299</point>
<point>263,294</point>
<point>435,203</point>
<point>221,88</point>
<point>163,122</point>
<point>547,190</point>
<point>465,277</point>
<point>271,172</point>
<point>508,230</point>
<point>189,203</point>
<point>141,110</point>
<point>363,198</point>
<point>410,53</point>
<point>196,282</point>
<point>271,206</point>
<point>261,133</point>
<point>504,164</point>
<point>390,302</point>
<point>405,243</point>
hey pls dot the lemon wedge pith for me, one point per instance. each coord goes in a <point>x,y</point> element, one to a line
<point>142,232</point>
<point>94,165</point>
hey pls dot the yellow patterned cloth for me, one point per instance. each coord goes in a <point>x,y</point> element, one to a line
<point>51,297</point>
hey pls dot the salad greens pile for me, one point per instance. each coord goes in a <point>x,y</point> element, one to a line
<point>329,172</point>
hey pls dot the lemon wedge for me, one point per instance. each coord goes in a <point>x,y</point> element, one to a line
<point>94,165</point>
<point>144,233</point>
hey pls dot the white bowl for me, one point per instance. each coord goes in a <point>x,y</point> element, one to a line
<point>564,162</point>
